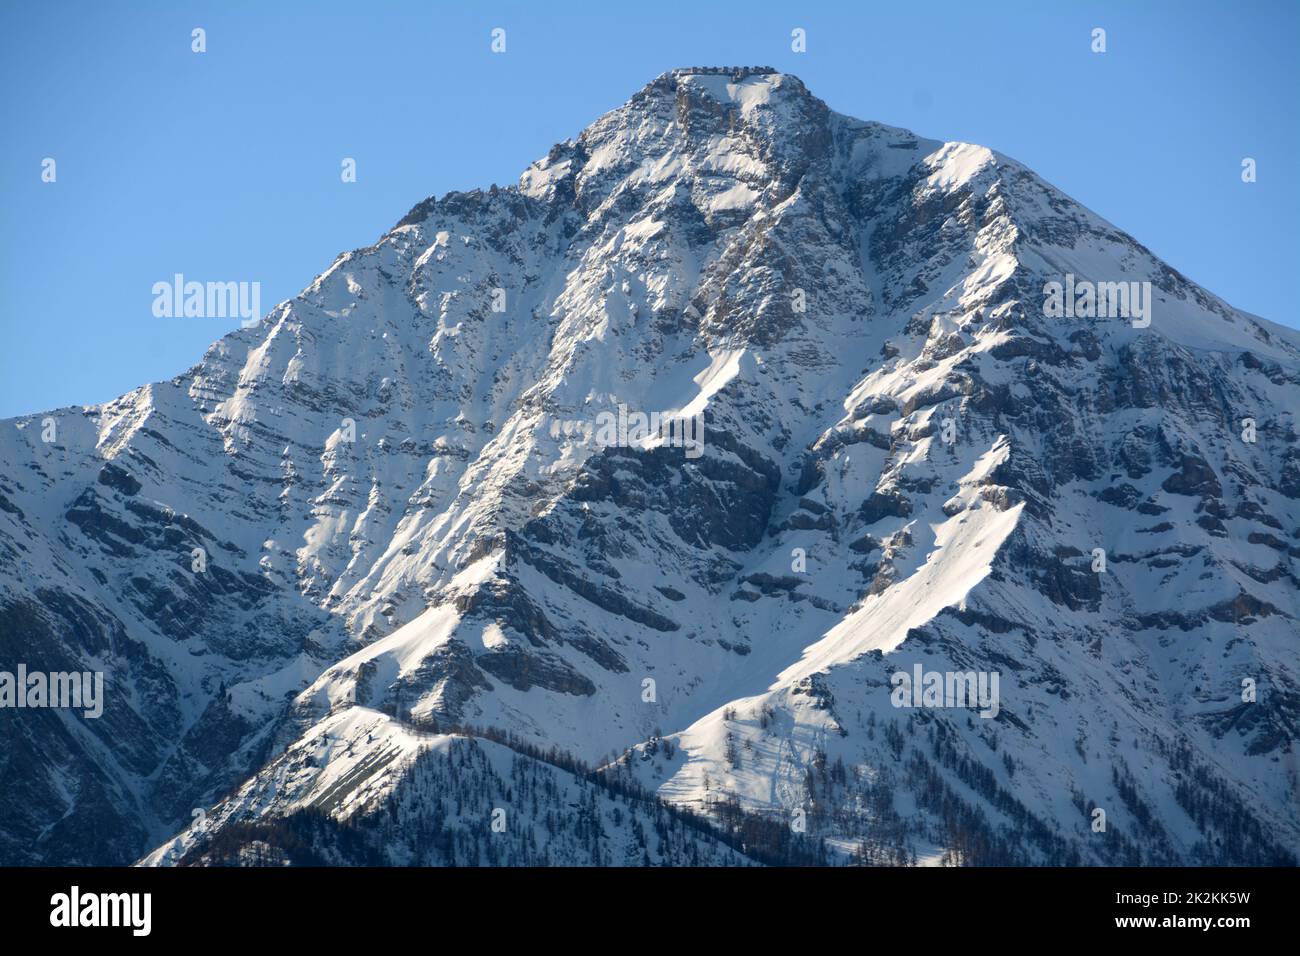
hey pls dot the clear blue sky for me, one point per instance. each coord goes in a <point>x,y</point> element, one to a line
<point>225,165</point>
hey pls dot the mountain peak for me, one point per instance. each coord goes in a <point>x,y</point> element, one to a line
<point>749,124</point>
<point>418,496</point>
<point>746,86</point>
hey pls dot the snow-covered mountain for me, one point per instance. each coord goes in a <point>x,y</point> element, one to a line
<point>428,577</point>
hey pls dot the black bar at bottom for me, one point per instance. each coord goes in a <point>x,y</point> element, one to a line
<point>338,905</point>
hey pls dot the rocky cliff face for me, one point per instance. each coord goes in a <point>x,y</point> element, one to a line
<point>391,500</point>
